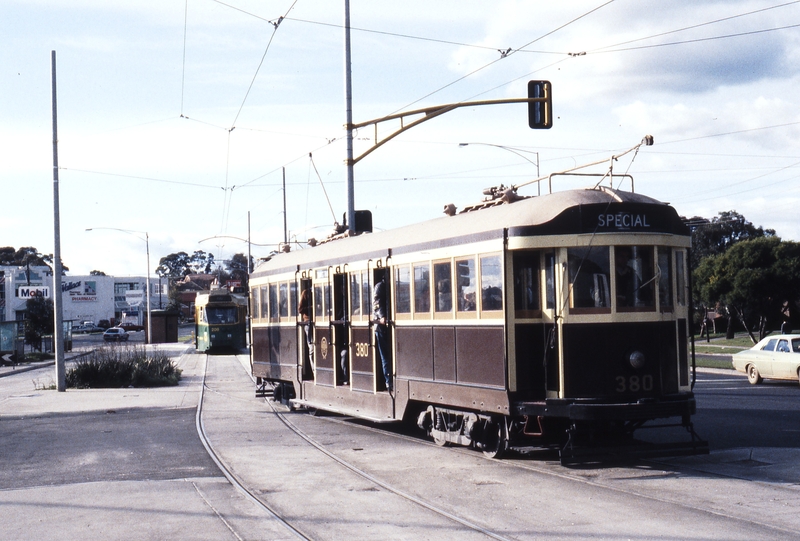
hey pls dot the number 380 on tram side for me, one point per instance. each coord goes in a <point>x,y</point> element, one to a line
<point>557,321</point>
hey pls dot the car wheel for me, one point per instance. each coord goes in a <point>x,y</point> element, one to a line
<point>752,375</point>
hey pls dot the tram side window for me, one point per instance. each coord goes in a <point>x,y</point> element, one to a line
<point>264,303</point>
<point>328,304</point>
<point>491,283</point>
<point>680,277</point>
<point>355,294</point>
<point>318,302</point>
<point>293,299</point>
<point>526,284</point>
<point>422,288</point>
<point>665,278</point>
<point>284,300</point>
<point>402,288</point>
<point>634,276</point>
<point>550,280</point>
<point>466,285</point>
<point>444,292</point>
<point>273,302</point>
<point>254,301</point>
<point>589,269</point>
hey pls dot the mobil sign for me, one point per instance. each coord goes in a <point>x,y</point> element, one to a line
<point>28,292</point>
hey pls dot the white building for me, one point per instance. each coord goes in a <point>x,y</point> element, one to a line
<point>84,298</point>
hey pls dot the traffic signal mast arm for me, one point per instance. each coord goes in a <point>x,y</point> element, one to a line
<point>429,113</point>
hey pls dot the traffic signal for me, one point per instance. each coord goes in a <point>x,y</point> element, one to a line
<point>540,113</point>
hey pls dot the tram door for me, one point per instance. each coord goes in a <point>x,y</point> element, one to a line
<point>305,331</point>
<point>385,275</point>
<point>535,337</point>
<point>340,331</point>
<point>361,370</point>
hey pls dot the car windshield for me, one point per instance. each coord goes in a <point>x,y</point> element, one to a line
<point>770,346</point>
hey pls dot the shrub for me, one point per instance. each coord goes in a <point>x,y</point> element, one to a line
<point>129,366</point>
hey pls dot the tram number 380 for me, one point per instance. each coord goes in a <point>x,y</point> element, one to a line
<point>362,349</point>
<point>634,384</point>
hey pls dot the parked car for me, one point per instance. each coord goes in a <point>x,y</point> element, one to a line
<point>775,357</point>
<point>104,324</point>
<point>87,328</point>
<point>131,327</point>
<point>115,334</point>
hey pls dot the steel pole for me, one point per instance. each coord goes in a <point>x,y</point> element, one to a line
<point>348,99</point>
<point>58,331</point>
<point>147,293</point>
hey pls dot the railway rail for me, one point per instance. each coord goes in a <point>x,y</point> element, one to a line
<point>644,490</point>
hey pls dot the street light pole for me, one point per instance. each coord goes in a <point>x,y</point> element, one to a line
<point>146,240</point>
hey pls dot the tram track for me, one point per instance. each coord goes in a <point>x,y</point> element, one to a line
<point>228,473</point>
<point>626,483</point>
<point>654,469</point>
<point>253,497</point>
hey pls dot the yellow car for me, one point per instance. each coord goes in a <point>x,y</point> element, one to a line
<point>775,357</point>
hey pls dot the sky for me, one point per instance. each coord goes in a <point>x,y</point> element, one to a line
<point>178,119</point>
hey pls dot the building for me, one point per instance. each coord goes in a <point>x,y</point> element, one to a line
<point>84,298</point>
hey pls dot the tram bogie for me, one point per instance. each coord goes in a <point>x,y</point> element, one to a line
<point>524,325</point>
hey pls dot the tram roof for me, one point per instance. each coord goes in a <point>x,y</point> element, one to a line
<point>474,226</point>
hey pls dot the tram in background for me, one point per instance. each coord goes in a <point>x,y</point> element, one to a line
<point>220,320</point>
<point>560,320</point>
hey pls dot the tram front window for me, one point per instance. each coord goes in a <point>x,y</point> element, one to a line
<point>588,276</point>
<point>218,316</point>
<point>634,277</point>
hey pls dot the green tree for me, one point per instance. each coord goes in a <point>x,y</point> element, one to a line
<point>174,267</point>
<point>753,280</point>
<point>39,320</point>
<point>97,273</point>
<point>713,237</point>
<point>27,256</point>
<point>201,262</point>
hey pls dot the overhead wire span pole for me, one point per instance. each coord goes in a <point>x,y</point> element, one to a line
<point>58,331</point>
<point>348,99</point>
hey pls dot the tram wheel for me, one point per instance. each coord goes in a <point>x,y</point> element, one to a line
<point>752,375</point>
<point>496,439</point>
<point>441,442</point>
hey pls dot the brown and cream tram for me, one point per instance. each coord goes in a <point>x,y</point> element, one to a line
<point>519,325</point>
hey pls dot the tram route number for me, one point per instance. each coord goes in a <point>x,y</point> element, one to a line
<point>362,349</point>
<point>634,384</point>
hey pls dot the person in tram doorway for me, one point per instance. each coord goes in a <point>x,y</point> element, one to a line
<point>381,330</point>
<point>304,309</point>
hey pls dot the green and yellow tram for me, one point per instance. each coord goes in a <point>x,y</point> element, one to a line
<point>220,321</point>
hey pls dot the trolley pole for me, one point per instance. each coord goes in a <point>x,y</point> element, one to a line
<point>58,331</point>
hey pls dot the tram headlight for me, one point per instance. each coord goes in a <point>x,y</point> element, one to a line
<point>636,359</point>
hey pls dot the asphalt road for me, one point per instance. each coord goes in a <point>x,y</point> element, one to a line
<point>731,413</point>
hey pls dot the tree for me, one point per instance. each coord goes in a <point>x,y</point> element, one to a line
<point>238,268</point>
<point>713,237</point>
<point>753,280</point>
<point>39,321</point>
<point>97,273</point>
<point>174,266</point>
<point>27,256</point>
<point>201,262</point>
